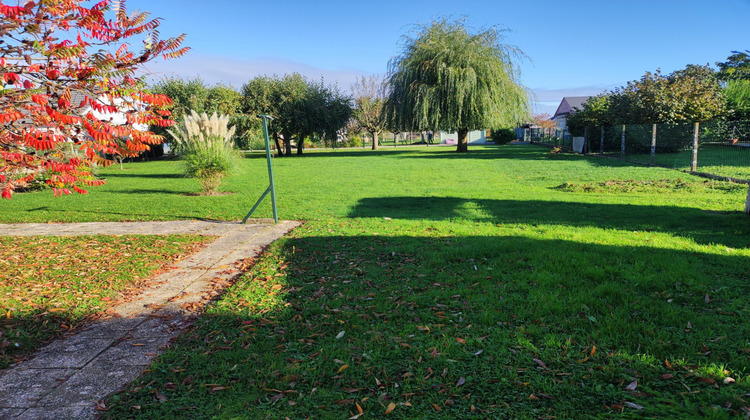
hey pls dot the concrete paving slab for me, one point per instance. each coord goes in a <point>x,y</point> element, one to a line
<point>73,352</point>
<point>86,411</point>
<point>114,327</point>
<point>11,413</point>
<point>91,384</point>
<point>23,388</point>
<point>159,327</point>
<point>135,351</point>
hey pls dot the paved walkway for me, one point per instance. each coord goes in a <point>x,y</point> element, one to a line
<point>68,377</point>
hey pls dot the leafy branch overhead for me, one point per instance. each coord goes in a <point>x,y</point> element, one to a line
<point>71,94</point>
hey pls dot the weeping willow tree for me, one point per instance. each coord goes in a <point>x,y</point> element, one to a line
<point>450,79</point>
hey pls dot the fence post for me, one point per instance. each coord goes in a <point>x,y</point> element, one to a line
<point>653,144</point>
<point>586,139</point>
<point>601,143</point>
<point>622,144</point>
<point>696,135</point>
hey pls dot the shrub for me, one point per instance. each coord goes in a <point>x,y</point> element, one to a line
<point>503,135</point>
<point>205,144</point>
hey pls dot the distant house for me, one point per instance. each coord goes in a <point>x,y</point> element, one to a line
<point>473,137</point>
<point>566,107</point>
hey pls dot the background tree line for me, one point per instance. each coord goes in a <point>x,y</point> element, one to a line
<point>302,108</point>
<point>693,94</point>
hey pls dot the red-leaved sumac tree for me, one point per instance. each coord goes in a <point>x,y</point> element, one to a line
<point>72,94</point>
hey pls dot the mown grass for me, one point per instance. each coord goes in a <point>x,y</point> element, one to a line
<point>502,283</point>
<point>723,160</point>
<point>50,285</point>
<point>330,183</point>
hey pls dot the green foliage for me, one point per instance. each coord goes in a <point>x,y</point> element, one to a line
<point>194,94</point>
<point>737,97</point>
<point>595,113</point>
<point>692,94</point>
<point>450,79</point>
<point>301,108</point>
<point>503,135</point>
<point>206,145</point>
<point>368,107</point>
<point>737,66</point>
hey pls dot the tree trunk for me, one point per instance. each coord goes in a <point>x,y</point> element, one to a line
<point>374,140</point>
<point>747,202</point>
<point>277,141</point>
<point>287,144</point>
<point>300,144</point>
<point>462,146</point>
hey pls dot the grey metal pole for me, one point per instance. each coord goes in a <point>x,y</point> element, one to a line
<point>271,187</point>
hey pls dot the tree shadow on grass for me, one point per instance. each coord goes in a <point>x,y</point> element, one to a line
<point>135,216</point>
<point>147,176</point>
<point>729,229</point>
<point>484,321</point>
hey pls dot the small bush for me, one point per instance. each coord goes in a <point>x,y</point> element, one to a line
<point>503,135</point>
<point>205,144</point>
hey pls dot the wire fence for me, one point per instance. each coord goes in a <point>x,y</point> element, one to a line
<point>720,148</point>
<point>553,137</point>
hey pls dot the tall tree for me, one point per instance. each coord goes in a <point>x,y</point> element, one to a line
<point>448,78</point>
<point>737,66</point>
<point>60,62</point>
<point>692,94</point>
<point>368,106</point>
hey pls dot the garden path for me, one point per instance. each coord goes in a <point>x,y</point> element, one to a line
<point>70,376</point>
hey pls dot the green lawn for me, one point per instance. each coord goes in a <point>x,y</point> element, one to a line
<point>501,283</point>
<point>51,285</point>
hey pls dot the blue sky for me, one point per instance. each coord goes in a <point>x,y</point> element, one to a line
<point>574,47</point>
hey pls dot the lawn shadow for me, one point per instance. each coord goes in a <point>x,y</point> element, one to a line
<point>138,216</point>
<point>147,176</point>
<point>730,229</point>
<point>531,311</point>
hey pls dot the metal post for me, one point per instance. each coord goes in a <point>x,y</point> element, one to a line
<point>271,187</point>
<point>586,138</point>
<point>696,135</point>
<point>601,143</point>
<point>622,143</point>
<point>653,144</point>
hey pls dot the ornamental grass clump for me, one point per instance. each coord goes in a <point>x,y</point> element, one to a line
<point>206,145</point>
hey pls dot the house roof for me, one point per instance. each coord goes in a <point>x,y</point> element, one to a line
<point>568,103</point>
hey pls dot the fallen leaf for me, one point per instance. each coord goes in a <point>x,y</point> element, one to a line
<point>461,340</point>
<point>479,352</point>
<point>276,397</point>
<point>667,376</point>
<point>390,408</point>
<point>632,386</point>
<point>461,381</point>
<point>728,380</point>
<point>340,335</point>
<point>359,409</point>
<point>342,368</point>
<point>540,363</point>
<point>437,407</point>
<point>633,405</point>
